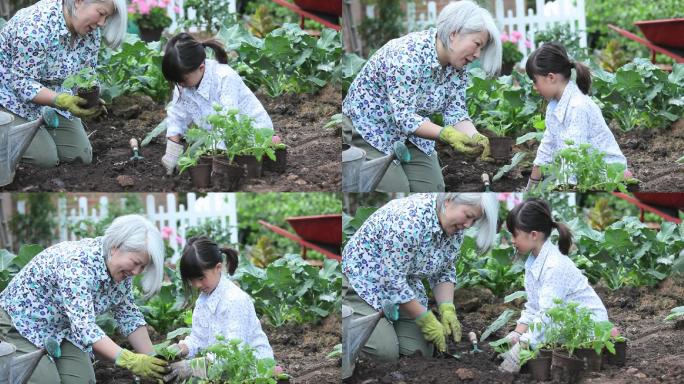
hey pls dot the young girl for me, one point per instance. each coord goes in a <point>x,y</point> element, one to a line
<point>200,83</point>
<point>222,307</point>
<point>549,273</point>
<point>571,114</point>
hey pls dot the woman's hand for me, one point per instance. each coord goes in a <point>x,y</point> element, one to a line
<point>460,141</point>
<point>142,365</point>
<point>74,104</point>
<point>181,350</point>
<point>432,330</point>
<point>484,142</point>
<point>449,321</point>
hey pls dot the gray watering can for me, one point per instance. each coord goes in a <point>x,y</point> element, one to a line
<point>359,175</point>
<point>14,140</point>
<point>355,333</point>
<point>18,369</point>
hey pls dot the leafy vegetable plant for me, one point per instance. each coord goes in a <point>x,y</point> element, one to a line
<point>85,79</point>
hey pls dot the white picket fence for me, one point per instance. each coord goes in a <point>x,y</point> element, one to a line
<point>542,18</point>
<point>175,17</point>
<point>169,213</point>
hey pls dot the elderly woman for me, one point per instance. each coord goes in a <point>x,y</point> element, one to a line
<point>41,46</point>
<point>409,239</point>
<point>61,291</point>
<point>411,78</point>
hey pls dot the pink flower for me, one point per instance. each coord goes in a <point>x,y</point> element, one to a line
<point>528,44</point>
<point>166,232</point>
<point>176,9</point>
<point>503,196</point>
<point>144,9</point>
<point>516,35</point>
<point>278,369</point>
<point>614,332</point>
<point>179,240</point>
<point>276,139</point>
<point>504,37</point>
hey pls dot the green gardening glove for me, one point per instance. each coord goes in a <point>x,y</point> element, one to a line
<point>71,103</point>
<point>460,141</point>
<point>449,321</point>
<point>484,142</point>
<point>142,365</point>
<point>432,330</point>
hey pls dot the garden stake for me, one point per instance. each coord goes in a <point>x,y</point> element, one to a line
<point>136,152</point>
<point>473,339</point>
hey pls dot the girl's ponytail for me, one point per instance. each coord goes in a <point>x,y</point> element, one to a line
<point>564,237</point>
<point>231,259</point>
<point>583,76</point>
<point>218,49</point>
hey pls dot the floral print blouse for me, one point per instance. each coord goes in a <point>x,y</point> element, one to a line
<point>400,87</point>
<point>220,85</point>
<point>36,53</point>
<point>227,311</point>
<point>552,275</point>
<point>397,246</point>
<point>61,291</point>
<point>576,117</point>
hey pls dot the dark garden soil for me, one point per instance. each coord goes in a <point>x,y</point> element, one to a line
<point>313,154</point>
<point>651,155</point>
<point>655,349</point>
<point>300,349</point>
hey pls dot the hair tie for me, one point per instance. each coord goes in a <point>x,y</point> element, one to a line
<point>572,64</point>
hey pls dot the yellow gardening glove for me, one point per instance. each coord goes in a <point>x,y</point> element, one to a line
<point>432,330</point>
<point>142,365</point>
<point>460,141</point>
<point>484,142</point>
<point>449,321</point>
<point>71,103</point>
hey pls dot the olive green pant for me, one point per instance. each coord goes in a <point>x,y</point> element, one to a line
<point>66,143</point>
<point>422,174</point>
<point>73,367</point>
<point>388,340</point>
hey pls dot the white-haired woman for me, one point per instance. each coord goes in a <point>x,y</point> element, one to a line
<point>413,77</point>
<point>61,291</point>
<point>403,242</point>
<point>41,46</point>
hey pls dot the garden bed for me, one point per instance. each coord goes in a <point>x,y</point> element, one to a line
<point>651,155</point>
<point>300,349</point>
<point>299,119</point>
<point>655,353</point>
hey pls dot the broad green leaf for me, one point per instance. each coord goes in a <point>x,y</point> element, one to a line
<point>178,332</point>
<point>515,295</point>
<point>497,324</point>
<point>161,127</point>
<point>6,258</point>
<point>26,253</point>
<point>517,158</point>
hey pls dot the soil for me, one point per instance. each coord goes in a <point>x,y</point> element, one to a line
<point>299,349</point>
<point>313,151</point>
<point>651,156</point>
<point>655,351</point>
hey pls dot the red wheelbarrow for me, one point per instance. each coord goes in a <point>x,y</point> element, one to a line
<point>664,36</point>
<point>322,233</point>
<point>326,12</point>
<point>665,205</point>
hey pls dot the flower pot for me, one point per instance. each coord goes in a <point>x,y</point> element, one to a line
<point>91,95</point>
<point>545,353</point>
<point>200,175</point>
<point>251,163</point>
<point>540,368</point>
<point>225,175</point>
<point>206,160</point>
<point>620,356</point>
<point>500,147</point>
<point>150,34</point>
<point>590,357</point>
<point>279,165</point>
<point>566,369</point>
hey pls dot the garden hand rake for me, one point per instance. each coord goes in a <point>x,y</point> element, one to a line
<point>473,339</point>
<point>356,332</point>
<point>136,150</point>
